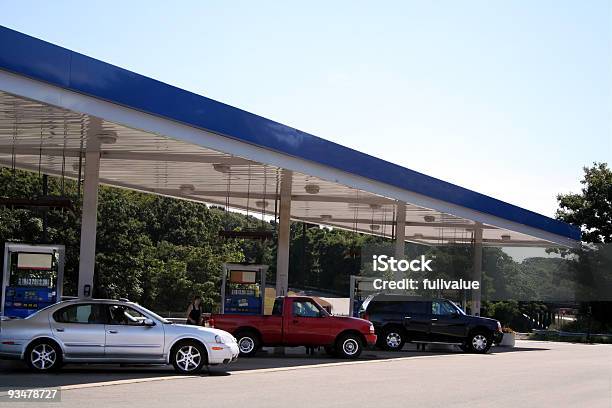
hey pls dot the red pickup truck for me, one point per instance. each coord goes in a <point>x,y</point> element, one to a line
<point>298,321</point>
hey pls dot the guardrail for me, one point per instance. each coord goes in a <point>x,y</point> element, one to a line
<point>569,334</point>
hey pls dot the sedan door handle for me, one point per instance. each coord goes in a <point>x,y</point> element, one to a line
<point>434,319</point>
<point>112,332</point>
<point>60,329</point>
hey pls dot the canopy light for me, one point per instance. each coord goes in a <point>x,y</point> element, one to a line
<point>187,188</point>
<point>505,237</point>
<point>107,138</point>
<point>222,167</point>
<point>311,188</point>
<point>429,218</point>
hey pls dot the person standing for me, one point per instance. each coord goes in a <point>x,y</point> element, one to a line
<point>194,311</point>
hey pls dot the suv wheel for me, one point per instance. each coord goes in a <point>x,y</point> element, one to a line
<point>248,343</point>
<point>188,357</point>
<point>349,346</point>
<point>479,342</point>
<point>43,356</point>
<point>393,339</point>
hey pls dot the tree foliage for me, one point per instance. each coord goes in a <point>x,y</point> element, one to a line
<point>161,251</point>
<point>591,209</point>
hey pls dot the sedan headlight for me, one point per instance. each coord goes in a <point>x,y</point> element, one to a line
<point>218,339</point>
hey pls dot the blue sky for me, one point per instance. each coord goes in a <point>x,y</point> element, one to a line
<point>507,98</point>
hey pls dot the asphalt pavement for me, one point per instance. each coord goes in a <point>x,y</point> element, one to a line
<point>534,374</point>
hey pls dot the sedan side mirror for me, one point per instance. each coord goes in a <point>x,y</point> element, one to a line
<point>148,322</point>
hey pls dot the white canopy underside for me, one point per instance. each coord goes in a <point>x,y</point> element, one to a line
<point>36,135</point>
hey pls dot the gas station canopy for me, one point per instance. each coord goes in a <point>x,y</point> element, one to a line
<point>57,105</point>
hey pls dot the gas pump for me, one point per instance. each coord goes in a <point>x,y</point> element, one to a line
<point>360,287</point>
<point>32,278</point>
<point>243,288</point>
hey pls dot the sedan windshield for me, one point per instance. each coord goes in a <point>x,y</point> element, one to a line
<point>155,315</point>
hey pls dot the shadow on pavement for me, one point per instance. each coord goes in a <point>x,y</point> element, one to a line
<point>15,374</point>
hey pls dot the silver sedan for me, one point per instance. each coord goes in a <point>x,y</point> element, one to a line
<point>111,331</point>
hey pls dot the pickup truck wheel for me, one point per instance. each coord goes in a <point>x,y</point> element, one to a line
<point>349,346</point>
<point>479,342</point>
<point>248,343</point>
<point>188,357</point>
<point>393,339</point>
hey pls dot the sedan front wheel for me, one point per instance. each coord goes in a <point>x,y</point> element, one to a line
<point>188,357</point>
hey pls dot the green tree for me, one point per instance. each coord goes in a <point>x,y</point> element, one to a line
<point>591,209</point>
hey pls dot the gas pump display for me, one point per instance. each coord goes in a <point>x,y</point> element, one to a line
<point>32,278</point>
<point>243,289</point>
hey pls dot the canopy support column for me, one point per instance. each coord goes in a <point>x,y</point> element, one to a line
<point>282,257</point>
<point>89,218</point>
<point>477,271</point>
<point>400,229</point>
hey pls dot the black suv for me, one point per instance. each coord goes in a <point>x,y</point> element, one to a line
<point>398,319</point>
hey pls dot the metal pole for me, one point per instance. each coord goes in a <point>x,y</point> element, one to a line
<point>477,271</point>
<point>45,193</point>
<point>303,268</point>
<point>6,274</point>
<point>223,287</point>
<point>263,270</point>
<point>89,218</point>
<point>60,272</point>
<point>282,257</point>
<point>400,231</point>
<point>352,295</point>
